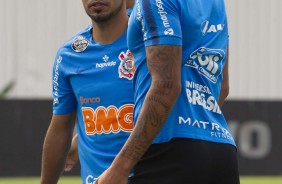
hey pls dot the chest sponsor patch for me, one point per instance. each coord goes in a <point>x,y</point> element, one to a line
<point>208,62</point>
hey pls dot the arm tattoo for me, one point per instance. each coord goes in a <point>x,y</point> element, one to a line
<point>164,66</point>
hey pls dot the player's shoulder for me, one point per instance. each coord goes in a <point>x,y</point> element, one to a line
<point>77,42</point>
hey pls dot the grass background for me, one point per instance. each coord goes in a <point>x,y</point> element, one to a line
<point>76,180</point>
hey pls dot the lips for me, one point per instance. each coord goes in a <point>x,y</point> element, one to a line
<point>97,4</point>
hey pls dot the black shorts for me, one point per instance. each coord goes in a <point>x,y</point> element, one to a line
<point>187,161</point>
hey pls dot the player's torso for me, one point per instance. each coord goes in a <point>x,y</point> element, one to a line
<point>204,35</point>
<point>101,77</point>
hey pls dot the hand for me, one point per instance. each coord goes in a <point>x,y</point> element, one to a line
<point>70,163</point>
<point>112,176</point>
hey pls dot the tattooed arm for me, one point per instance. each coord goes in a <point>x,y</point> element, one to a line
<point>164,63</point>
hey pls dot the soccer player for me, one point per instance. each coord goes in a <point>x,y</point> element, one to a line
<point>72,156</point>
<point>92,81</point>
<point>181,136</point>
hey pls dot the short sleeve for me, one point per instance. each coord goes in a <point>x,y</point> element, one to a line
<point>161,23</point>
<point>64,99</point>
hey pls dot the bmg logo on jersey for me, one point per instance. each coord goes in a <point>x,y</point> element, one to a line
<point>208,62</point>
<point>105,120</point>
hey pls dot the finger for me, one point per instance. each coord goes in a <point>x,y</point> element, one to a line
<point>68,168</point>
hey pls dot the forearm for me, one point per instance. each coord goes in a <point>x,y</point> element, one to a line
<point>155,111</point>
<point>223,95</point>
<point>160,99</point>
<point>55,150</point>
<point>224,90</point>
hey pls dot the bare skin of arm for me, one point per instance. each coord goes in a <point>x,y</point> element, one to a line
<point>72,157</point>
<point>56,146</point>
<point>224,91</point>
<point>164,63</point>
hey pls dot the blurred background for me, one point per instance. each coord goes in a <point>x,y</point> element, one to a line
<point>32,31</point>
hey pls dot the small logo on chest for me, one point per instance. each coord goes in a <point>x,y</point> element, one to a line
<point>106,63</point>
<point>126,67</point>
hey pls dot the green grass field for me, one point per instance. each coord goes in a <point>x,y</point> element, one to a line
<point>76,180</point>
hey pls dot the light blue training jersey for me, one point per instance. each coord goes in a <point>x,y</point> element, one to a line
<point>95,80</point>
<point>200,27</point>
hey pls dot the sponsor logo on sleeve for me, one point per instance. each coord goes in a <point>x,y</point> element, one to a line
<point>139,18</point>
<point>169,31</point>
<point>163,16</point>
<point>55,80</point>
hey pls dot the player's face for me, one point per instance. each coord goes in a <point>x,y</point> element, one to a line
<point>129,3</point>
<point>102,10</point>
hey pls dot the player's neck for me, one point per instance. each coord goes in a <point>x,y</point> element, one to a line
<point>108,32</point>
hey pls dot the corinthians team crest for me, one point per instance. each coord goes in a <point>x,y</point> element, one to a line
<point>126,67</point>
<point>80,44</point>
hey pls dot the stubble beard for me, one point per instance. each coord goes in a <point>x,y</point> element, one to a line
<point>104,17</point>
